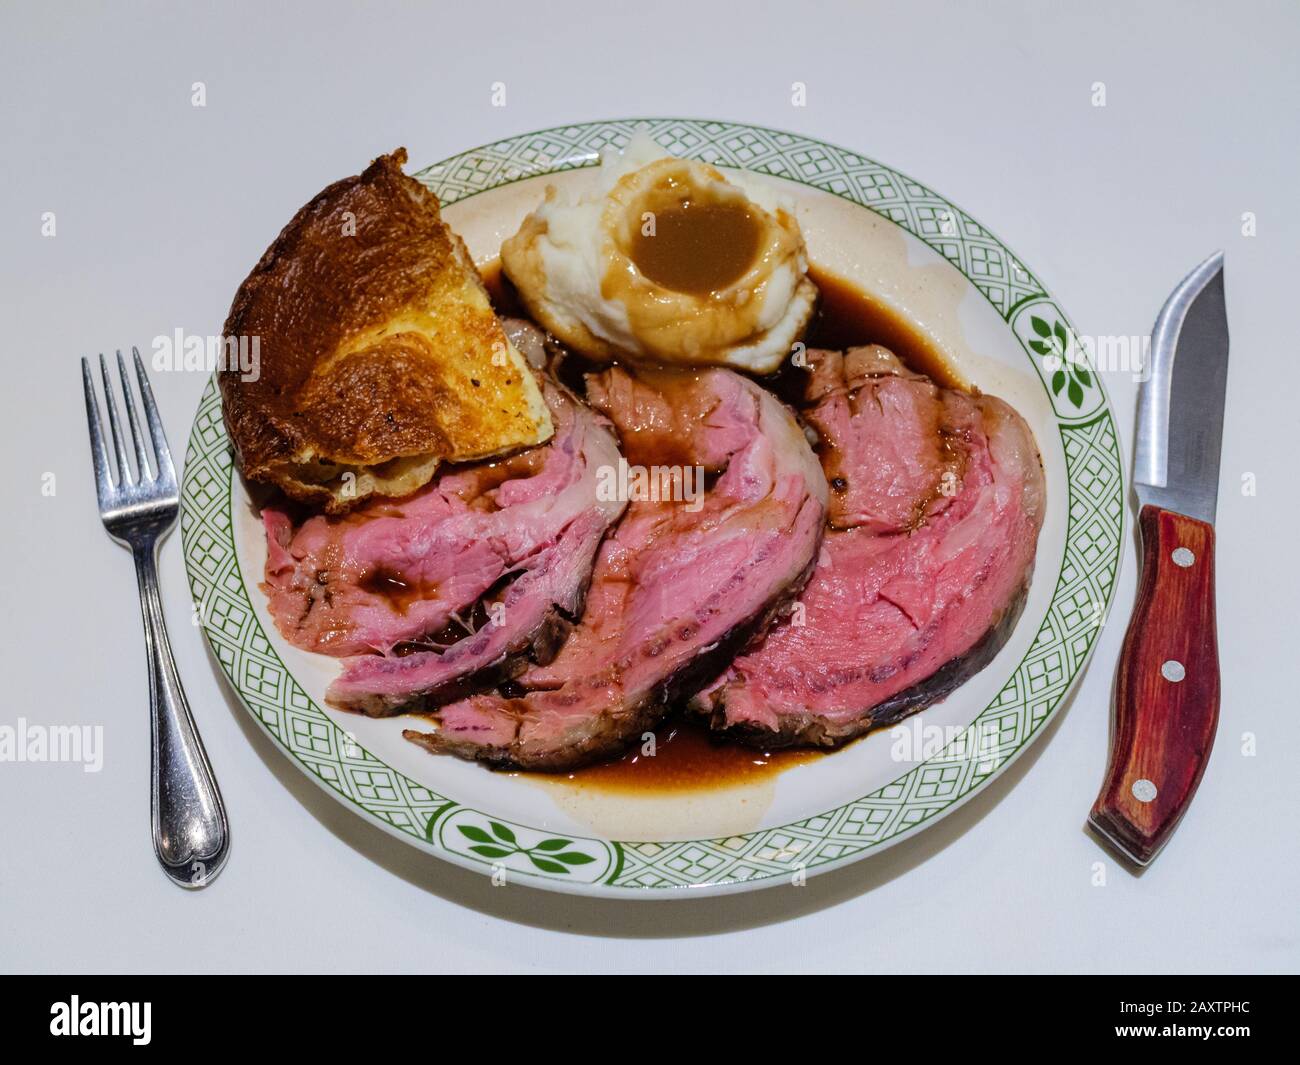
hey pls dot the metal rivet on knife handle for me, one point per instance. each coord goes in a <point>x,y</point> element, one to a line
<point>1144,790</point>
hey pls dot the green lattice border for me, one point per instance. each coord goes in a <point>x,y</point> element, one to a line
<point>479,840</point>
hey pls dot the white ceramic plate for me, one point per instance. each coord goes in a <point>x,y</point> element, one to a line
<point>992,318</point>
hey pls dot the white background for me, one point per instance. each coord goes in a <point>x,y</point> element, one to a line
<point>161,210</point>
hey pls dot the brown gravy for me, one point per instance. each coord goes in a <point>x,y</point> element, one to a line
<point>687,759</point>
<point>505,298</point>
<point>847,317</point>
<point>698,248</point>
<point>399,592</point>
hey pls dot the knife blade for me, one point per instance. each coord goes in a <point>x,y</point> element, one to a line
<point>1166,706</point>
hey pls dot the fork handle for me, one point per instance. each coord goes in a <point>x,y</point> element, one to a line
<point>190,833</point>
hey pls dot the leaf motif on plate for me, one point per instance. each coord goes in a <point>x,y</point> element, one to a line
<point>503,843</point>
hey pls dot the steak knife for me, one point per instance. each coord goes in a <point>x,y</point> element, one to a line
<point>1166,705</point>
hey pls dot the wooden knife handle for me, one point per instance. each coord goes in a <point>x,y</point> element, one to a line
<point>1167,691</point>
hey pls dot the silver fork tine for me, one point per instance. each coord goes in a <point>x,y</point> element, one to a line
<point>137,438</point>
<point>163,456</point>
<point>124,476</point>
<point>98,454</point>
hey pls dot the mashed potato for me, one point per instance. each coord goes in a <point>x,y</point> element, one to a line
<point>665,260</point>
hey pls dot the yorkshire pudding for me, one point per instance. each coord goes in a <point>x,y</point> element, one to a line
<point>380,355</point>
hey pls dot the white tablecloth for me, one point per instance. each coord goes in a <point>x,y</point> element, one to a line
<point>161,208</point>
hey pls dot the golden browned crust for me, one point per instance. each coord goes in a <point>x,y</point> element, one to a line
<point>380,355</point>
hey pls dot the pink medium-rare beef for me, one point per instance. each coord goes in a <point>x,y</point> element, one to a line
<point>508,543</point>
<point>937,500</point>
<point>393,571</point>
<point>882,446</point>
<point>536,614</point>
<point>677,587</point>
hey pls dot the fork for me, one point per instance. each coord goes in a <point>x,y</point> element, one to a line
<point>190,834</point>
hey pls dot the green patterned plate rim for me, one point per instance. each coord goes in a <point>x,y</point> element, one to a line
<point>483,841</point>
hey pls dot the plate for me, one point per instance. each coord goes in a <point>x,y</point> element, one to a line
<point>912,250</point>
